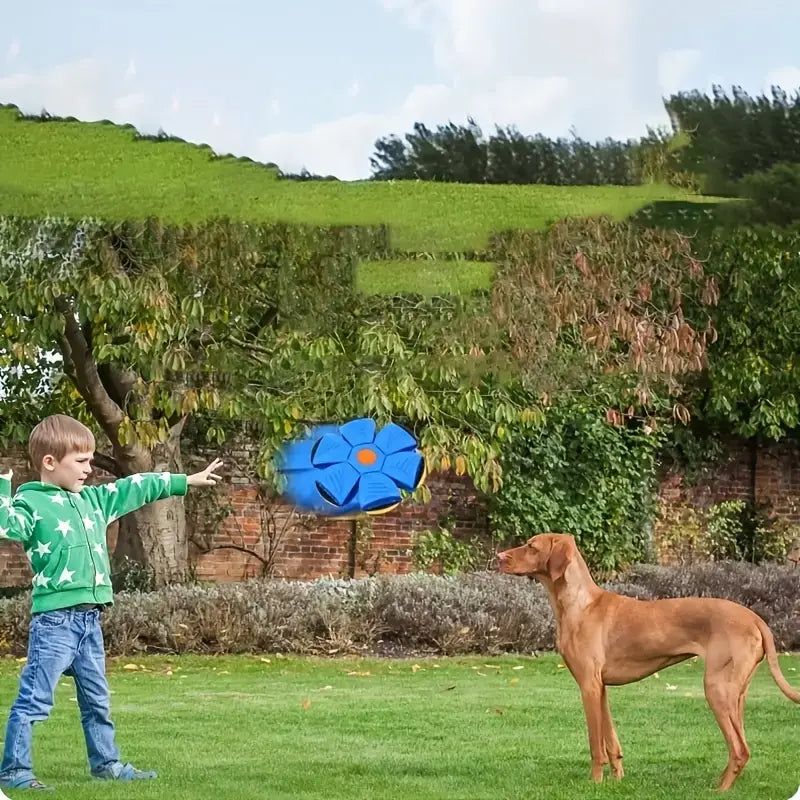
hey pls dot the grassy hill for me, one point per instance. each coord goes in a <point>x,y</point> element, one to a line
<point>100,169</point>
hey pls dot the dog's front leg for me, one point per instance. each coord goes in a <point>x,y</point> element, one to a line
<point>591,687</point>
<point>612,745</point>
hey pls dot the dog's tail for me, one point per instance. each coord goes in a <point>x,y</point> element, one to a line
<point>772,660</point>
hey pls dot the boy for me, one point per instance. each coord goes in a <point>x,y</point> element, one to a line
<point>61,524</point>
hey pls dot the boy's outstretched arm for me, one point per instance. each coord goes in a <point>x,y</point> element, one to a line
<point>131,493</point>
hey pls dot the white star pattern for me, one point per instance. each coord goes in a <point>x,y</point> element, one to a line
<point>40,580</point>
<point>99,512</point>
<point>58,499</point>
<point>3,533</point>
<point>137,479</point>
<point>36,517</point>
<point>165,477</point>
<point>17,516</point>
<point>88,522</point>
<point>43,548</point>
<point>64,527</point>
<point>98,548</point>
<point>5,502</point>
<point>112,487</point>
<point>66,576</point>
<point>99,579</point>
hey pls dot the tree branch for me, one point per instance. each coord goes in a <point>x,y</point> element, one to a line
<point>118,383</point>
<point>107,464</point>
<point>76,352</point>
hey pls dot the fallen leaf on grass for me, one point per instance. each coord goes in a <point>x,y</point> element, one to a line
<point>306,704</point>
<point>366,674</point>
<point>417,668</point>
<point>449,688</point>
<point>131,667</point>
<point>671,688</point>
<point>519,667</point>
<point>326,688</point>
<point>513,682</point>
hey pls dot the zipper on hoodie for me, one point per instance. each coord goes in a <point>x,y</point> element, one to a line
<point>88,545</point>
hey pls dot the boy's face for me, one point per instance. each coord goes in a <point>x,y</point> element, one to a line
<point>70,472</point>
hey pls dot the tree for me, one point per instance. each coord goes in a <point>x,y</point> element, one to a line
<point>143,321</point>
<point>594,302</point>
<point>752,383</point>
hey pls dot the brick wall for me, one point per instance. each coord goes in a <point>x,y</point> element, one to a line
<point>314,547</point>
<point>770,475</point>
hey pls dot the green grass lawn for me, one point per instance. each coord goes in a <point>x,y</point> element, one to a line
<point>78,169</point>
<point>494,728</point>
<point>427,276</point>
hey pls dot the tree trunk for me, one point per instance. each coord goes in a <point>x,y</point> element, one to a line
<point>156,534</point>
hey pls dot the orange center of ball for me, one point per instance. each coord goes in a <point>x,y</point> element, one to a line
<point>366,457</point>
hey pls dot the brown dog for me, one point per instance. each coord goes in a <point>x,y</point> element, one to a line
<point>607,639</point>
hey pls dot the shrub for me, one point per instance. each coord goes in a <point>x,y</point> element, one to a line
<point>732,530</point>
<point>772,196</point>
<point>439,550</point>
<point>481,612</point>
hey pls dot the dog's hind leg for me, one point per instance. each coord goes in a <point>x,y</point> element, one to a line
<point>729,671</point>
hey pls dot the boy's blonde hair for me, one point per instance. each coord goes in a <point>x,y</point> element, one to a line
<point>57,436</point>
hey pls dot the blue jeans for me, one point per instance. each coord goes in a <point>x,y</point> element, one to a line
<point>68,642</point>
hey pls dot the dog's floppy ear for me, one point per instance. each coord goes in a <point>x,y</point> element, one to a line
<point>559,559</point>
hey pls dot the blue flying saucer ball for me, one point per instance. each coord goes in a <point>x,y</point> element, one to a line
<point>351,469</point>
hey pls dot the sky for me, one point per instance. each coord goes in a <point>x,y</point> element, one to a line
<point>313,83</point>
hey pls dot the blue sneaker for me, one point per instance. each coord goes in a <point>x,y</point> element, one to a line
<point>24,783</point>
<point>123,772</point>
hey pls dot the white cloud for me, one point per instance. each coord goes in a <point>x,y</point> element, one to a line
<point>541,67</point>
<point>86,89</point>
<point>130,72</point>
<point>342,147</point>
<point>483,39</point>
<point>788,78</point>
<point>675,68</point>
<point>72,89</point>
<point>130,102</point>
<point>13,50</point>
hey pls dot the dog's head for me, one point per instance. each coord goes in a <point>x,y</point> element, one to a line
<point>546,555</point>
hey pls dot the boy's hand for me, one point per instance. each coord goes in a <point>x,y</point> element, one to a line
<point>207,476</point>
<point>7,475</point>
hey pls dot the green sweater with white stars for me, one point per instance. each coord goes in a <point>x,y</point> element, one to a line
<point>64,533</point>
